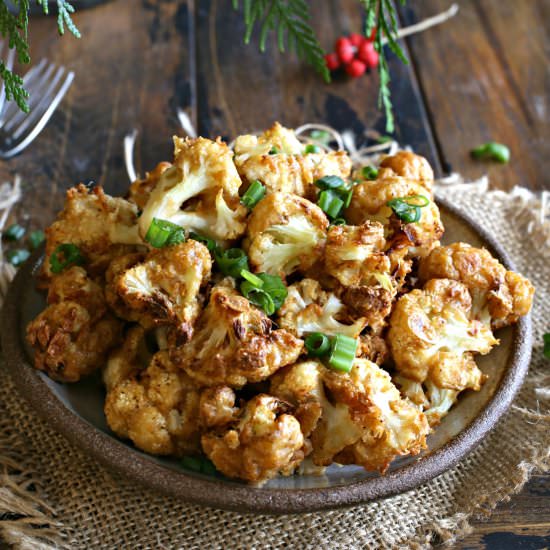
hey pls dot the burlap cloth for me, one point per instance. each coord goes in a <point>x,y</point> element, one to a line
<point>52,495</point>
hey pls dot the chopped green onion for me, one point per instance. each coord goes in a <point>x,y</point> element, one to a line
<point>14,232</point>
<point>546,339</point>
<point>384,139</point>
<point>251,278</point>
<point>330,182</point>
<point>17,257</point>
<point>258,296</point>
<point>346,196</point>
<point>199,464</point>
<point>317,344</point>
<point>274,286</point>
<point>330,203</point>
<point>492,151</point>
<point>254,194</point>
<point>322,136</point>
<point>407,209</point>
<point>209,243</point>
<point>310,148</point>
<point>369,172</point>
<point>164,233</point>
<point>342,353</point>
<point>231,261</point>
<point>65,255</point>
<point>338,221</point>
<point>273,151</point>
<point>36,238</point>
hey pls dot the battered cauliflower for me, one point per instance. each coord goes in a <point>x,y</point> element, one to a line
<point>157,409</point>
<point>140,190</point>
<point>432,337</point>
<point>200,192</point>
<point>285,233</point>
<point>308,308</point>
<point>234,342</point>
<point>217,406</point>
<point>102,227</point>
<point>357,418</point>
<point>499,296</point>
<point>166,285</point>
<point>286,169</point>
<point>407,165</point>
<point>264,441</point>
<point>73,335</point>
<point>369,202</point>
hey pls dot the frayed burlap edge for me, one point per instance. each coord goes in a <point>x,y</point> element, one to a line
<point>27,521</point>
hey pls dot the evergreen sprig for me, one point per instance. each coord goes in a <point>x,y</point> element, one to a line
<point>290,20</point>
<point>14,28</point>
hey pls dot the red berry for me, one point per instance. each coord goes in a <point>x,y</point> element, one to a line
<point>356,68</point>
<point>332,61</point>
<point>356,39</point>
<point>368,55</point>
<point>344,49</point>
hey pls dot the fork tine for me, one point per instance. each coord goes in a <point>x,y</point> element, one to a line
<point>37,85</point>
<point>40,106</point>
<point>50,109</point>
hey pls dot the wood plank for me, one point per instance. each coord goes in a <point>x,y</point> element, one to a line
<point>241,90</point>
<point>133,67</point>
<point>484,76</point>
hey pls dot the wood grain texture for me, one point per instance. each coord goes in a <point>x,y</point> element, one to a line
<point>484,76</point>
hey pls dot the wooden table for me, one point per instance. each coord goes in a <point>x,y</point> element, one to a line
<point>481,76</point>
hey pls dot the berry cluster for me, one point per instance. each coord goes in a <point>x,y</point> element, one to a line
<point>355,53</point>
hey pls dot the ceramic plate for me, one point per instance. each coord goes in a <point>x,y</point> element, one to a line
<point>76,411</point>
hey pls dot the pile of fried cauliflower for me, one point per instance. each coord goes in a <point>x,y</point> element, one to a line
<point>193,368</point>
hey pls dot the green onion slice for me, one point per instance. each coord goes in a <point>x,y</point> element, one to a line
<point>209,243</point>
<point>492,151</point>
<point>36,238</point>
<point>254,194</point>
<point>369,172</point>
<point>164,233</point>
<point>231,261</point>
<point>317,344</point>
<point>251,278</point>
<point>14,232</point>
<point>258,296</point>
<point>311,148</point>
<point>407,209</point>
<point>322,136</point>
<point>274,286</point>
<point>330,203</point>
<point>274,151</point>
<point>65,255</point>
<point>338,221</point>
<point>342,353</point>
<point>546,339</point>
<point>199,464</point>
<point>330,182</point>
<point>17,257</point>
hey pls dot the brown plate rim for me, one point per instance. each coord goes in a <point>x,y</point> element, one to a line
<point>122,459</point>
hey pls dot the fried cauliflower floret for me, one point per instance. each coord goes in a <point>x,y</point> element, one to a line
<point>217,406</point>
<point>357,418</point>
<point>157,409</point>
<point>199,192</point>
<point>128,359</point>
<point>369,202</point>
<point>499,296</point>
<point>101,226</point>
<point>264,442</point>
<point>287,169</point>
<point>285,233</point>
<point>234,342</point>
<point>140,190</point>
<point>407,165</point>
<point>432,336</point>
<point>374,348</point>
<point>73,335</point>
<point>308,308</point>
<point>166,285</point>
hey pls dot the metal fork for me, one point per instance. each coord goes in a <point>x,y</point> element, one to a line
<point>46,83</point>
